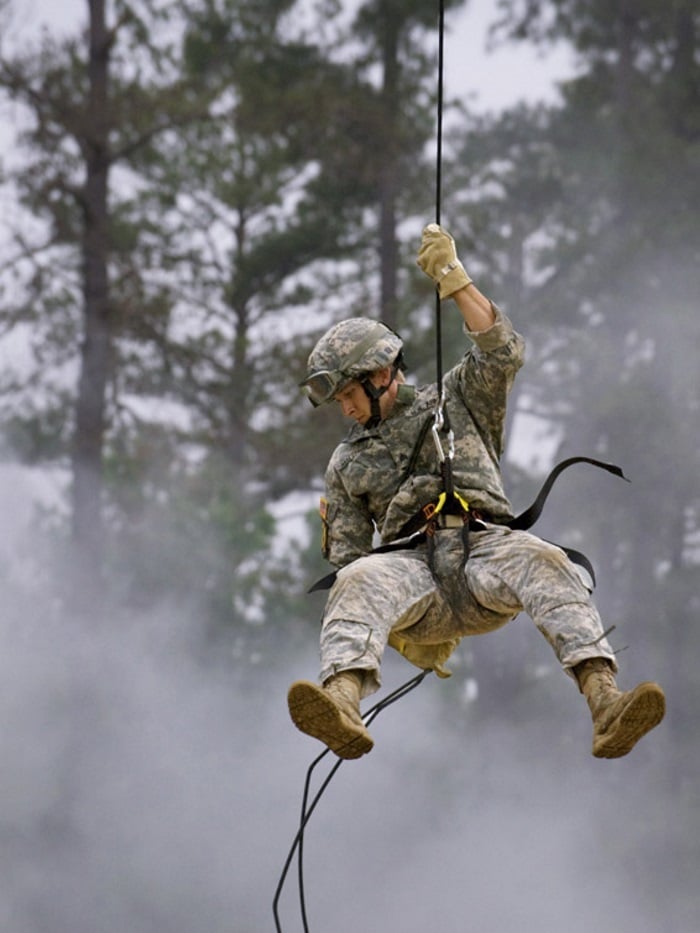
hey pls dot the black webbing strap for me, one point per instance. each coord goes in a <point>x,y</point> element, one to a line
<point>528,518</point>
<point>417,447</point>
<point>409,544</point>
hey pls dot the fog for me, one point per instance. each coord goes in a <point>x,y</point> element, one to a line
<point>144,790</point>
<point>149,787</point>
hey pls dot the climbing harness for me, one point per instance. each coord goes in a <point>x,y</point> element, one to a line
<point>419,529</point>
<point>308,808</point>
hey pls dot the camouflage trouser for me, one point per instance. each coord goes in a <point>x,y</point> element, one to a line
<point>397,594</point>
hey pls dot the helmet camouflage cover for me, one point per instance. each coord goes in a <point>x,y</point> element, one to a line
<point>350,350</point>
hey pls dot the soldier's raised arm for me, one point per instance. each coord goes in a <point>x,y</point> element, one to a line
<point>438,258</point>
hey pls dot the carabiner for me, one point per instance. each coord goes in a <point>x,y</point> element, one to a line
<point>438,425</point>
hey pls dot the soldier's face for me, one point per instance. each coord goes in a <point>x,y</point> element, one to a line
<point>354,402</point>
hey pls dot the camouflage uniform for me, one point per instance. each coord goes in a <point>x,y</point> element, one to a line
<point>424,608</point>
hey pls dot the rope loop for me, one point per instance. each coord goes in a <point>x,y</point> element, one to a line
<point>441,421</point>
<point>308,808</point>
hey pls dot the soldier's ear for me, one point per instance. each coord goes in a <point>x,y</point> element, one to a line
<point>382,377</point>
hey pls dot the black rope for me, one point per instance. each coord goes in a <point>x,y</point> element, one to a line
<point>441,68</point>
<point>441,411</point>
<point>307,809</point>
<point>438,180</point>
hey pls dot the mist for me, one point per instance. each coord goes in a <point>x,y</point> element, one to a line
<point>152,785</point>
<point>144,789</point>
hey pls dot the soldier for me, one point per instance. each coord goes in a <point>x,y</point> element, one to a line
<point>418,594</point>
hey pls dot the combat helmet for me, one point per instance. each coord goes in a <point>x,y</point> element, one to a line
<point>351,349</point>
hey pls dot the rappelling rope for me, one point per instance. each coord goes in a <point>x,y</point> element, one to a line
<point>441,420</point>
<point>438,178</point>
<point>308,808</point>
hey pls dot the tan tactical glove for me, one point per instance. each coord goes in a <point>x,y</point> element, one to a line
<point>438,258</point>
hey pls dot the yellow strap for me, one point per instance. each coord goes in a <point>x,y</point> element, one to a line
<point>440,504</point>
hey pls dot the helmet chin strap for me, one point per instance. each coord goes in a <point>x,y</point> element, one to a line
<point>374,393</point>
<point>375,413</point>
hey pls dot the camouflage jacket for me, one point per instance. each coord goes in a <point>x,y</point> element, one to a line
<point>364,491</point>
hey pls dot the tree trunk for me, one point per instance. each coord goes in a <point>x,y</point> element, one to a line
<point>626,104</point>
<point>95,353</point>
<point>683,73</point>
<point>388,248</point>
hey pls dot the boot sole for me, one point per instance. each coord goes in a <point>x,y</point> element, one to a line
<point>644,710</point>
<point>315,714</point>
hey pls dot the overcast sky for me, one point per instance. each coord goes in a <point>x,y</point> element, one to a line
<point>491,81</point>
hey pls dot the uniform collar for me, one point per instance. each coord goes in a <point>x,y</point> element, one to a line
<point>405,396</point>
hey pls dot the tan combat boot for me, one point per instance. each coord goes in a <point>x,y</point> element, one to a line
<point>331,713</point>
<point>619,719</point>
